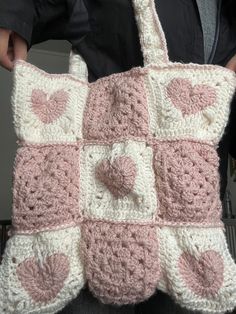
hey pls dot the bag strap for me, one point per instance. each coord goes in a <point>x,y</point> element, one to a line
<point>151,36</point>
<point>77,66</point>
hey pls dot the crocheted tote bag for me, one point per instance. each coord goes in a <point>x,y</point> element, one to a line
<point>116,183</point>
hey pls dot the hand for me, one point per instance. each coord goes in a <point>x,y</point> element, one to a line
<point>12,47</point>
<point>232,64</point>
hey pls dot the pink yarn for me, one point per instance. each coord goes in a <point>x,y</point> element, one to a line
<point>187,182</point>
<point>121,261</point>
<point>190,99</point>
<point>48,109</point>
<point>118,176</point>
<point>203,275</point>
<point>46,187</point>
<point>116,107</point>
<point>44,281</point>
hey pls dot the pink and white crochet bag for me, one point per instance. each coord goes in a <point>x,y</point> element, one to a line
<point>116,183</point>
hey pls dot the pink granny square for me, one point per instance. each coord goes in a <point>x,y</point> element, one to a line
<point>46,187</point>
<point>187,182</point>
<point>116,108</point>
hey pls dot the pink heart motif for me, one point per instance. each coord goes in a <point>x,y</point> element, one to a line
<point>43,281</point>
<point>48,109</point>
<point>190,99</point>
<point>204,276</point>
<point>118,176</point>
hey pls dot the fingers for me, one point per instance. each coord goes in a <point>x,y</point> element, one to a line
<point>232,64</point>
<point>20,47</point>
<point>12,47</point>
<point>5,60</point>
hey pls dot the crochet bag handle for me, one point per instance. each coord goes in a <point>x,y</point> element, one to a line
<point>151,36</point>
<point>77,66</point>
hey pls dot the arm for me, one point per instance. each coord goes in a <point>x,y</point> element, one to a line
<point>34,21</point>
<point>60,19</point>
<point>18,16</point>
<point>232,64</point>
<point>16,24</point>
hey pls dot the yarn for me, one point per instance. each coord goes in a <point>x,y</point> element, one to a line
<point>116,107</point>
<point>118,176</point>
<point>121,261</point>
<point>190,99</point>
<point>204,276</point>
<point>50,109</point>
<point>111,201</point>
<point>46,188</point>
<point>199,271</point>
<point>116,184</point>
<point>187,182</point>
<point>36,268</point>
<point>43,282</point>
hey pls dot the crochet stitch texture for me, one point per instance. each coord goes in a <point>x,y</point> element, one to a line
<point>116,184</point>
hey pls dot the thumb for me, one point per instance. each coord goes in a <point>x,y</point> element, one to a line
<point>19,46</point>
<point>232,64</point>
<point>4,42</point>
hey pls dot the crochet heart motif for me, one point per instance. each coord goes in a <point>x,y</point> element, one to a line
<point>43,282</point>
<point>190,99</point>
<point>204,276</point>
<point>118,176</point>
<point>48,109</point>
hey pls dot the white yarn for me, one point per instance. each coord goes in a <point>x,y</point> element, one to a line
<point>175,241</point>
<point>77,66</point>
<point>13,298</point>
<point>98,202</point>
<point>28,127</point>
<point>167,121</point>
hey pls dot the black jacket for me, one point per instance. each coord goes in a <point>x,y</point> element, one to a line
<point>111,43</point>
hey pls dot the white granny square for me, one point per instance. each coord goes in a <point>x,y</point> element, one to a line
<point>97,201</point>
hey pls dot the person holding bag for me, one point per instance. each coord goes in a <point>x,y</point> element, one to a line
<point>93,44</point>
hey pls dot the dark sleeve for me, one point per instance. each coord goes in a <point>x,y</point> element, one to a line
<point>40,20</point>
<point>232,130</point>
<point>18,16</point>
<point>60,19</point>
<point>226,49</point>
